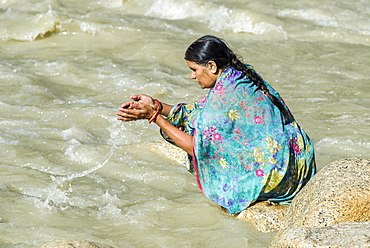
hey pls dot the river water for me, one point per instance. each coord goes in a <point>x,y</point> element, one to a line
<point>70,170</point>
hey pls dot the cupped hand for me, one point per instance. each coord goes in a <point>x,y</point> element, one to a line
<point>145,99</point>
<point>135,110</point>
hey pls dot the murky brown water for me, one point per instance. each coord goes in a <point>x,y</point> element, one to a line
<point>69,170</point>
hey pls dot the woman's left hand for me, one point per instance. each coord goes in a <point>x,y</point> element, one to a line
<point>132,111</point>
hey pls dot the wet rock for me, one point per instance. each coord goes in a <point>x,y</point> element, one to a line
<point>332,210</point>
<point>172,152</point>
<point>338,193</point>
<point>265,216</point>
<point>74,244</point>
<point>351,235</point>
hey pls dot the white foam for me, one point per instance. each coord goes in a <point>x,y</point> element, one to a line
<point>92,28</point>
<point>28,26</point>
<point>316,15</point>
<point>217,17</point>
<point>172,10</point>
<point>111,3</point>
<point>242,21</point>
<point>342,147</point>
<point>76,133</point>
<point>81,154</point>
<point>48,198</point>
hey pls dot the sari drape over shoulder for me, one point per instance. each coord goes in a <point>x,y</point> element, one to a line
<point>243,149</point>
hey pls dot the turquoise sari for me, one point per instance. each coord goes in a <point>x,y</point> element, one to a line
<point>243,149</point>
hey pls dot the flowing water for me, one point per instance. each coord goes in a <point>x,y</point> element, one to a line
<point>70,170</point>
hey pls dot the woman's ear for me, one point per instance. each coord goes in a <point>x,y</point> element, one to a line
<point>212,67</point>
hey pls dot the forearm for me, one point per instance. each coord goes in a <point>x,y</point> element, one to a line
<point>181,139</point>
<point>166,109</point>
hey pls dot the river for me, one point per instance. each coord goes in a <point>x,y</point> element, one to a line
<point>70,170</point>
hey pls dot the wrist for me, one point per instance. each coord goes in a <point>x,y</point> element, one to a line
<point>158,108</point>
<point>156,104</point>
<point>153,104</point>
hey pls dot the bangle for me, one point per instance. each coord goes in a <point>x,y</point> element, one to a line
<point>160,106</point>
<point>157,111</point>
<point>153,117</point>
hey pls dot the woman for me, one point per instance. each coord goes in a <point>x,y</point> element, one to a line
<point>244,143</point>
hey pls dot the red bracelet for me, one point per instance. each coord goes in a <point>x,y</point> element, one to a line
<point>160,106</point>
<point>157,111</point>
<point>153,117</point>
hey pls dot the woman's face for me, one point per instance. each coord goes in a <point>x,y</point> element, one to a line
<point>206,76</point>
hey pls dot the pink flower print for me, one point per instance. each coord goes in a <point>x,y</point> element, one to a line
<point>258,119</point>
<point>206,133</point>
<point>219,88</point>
<point>212,129</point>
<point>297,149</point>
<point>203,100</point>
<point>260,173</point>
<point>217,136</point>
<point>210,133</point>
<point>295,146</point>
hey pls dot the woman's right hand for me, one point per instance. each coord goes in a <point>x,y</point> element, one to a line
<point>144,107</point>
<point>145,99</point>
<point>135,110</point>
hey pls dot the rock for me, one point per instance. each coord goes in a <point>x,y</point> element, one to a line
<point>332,210</point>
<point>74,244</point>
<point>170,151</point>
<point>265,216</point>
<point>338,193</point>
<point>351,235</point>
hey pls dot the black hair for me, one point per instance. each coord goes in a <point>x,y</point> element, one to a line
<point>211,48</point>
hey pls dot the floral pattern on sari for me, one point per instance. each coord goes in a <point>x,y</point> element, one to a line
<point>243,149</point>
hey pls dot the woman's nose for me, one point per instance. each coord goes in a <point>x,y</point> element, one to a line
<point>192,75</point>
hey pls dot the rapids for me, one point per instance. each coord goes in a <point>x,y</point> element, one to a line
<point>70,170</point>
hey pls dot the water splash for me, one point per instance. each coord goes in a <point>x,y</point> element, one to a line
<point>100,164</point>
